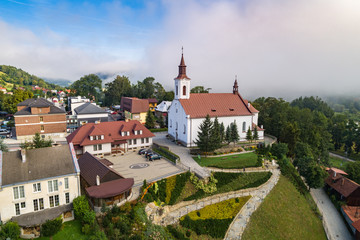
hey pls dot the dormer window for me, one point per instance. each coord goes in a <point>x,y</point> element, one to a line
<point>140,132</point>
<point>91,138</point>
<point>135,132</point>
<point>128,133</point>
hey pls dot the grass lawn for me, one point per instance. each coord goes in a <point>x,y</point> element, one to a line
<point>70,231</point>
<point>228,182</point>
<point>285,214</point>
<point>338,162</point>
<point>230,161</point>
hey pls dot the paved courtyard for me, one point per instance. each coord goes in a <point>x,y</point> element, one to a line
<point>133,165</point>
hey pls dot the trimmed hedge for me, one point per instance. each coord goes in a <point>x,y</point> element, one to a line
<point>216,228</point>
<point>158,130</point>
<point>166,153</point>
<point>170,185</point>
<point>181,180</point>
<point>175,233</point>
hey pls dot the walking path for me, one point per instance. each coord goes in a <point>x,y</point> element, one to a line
<point>334,224</point>
<point>342,157</point>
<point>172,214</point>
<point>239,223</point>
<point>183,153</point>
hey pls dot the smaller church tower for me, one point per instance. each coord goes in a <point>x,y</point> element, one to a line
<point>235,87</point>
<point>182,82</point>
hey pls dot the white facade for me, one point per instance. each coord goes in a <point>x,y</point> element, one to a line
<point>104,148</point>
<point>185,129</point>
<point>14,203</point>
<point>182,88</point>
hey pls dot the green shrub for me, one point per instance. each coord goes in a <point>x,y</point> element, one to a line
<point>158,130</point>
<point>51,227</point>
<point>170,185</point>
<point>81,206</point>
<point>98,235</point>
<point>289,171</point>
<point>181,180</point>
<point>87,229</point>
<point>216,228</point>
<point>89,217</point>
<point>10,230</point>
<point>176,234</point>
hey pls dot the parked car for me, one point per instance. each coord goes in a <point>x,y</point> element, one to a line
<point>154,157</point>
<point>148,153</point>
<point>4,133</point>
<point>142,151</point>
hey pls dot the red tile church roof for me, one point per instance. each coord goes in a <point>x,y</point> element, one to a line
<point>112,132</point>
<point>216,104</point>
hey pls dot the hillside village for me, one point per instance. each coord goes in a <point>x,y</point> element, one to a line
<point>139,162</point>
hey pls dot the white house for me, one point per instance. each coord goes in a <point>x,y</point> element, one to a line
<point>188,111</point>
<point>38,185</point>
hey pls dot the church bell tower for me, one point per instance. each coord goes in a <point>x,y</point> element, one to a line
<point>182,82</point>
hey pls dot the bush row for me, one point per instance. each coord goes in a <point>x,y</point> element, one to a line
<point>166,153</point>
<point>216,228</point>
<point>158,130</point>
<point>175,233</point>
<point>181,180</point>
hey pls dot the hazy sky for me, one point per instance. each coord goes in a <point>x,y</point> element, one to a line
<point>275,47</point>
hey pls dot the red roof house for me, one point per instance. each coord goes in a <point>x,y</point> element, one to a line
<point>110,137</point>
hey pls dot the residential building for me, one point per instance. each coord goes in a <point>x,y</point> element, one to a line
<point>152,104</point>
<point>352,217</point>
<point>101,183</point>
<point>38,185</point>
<point>38,115</point>
<point>344,188</point>
<point>161,110</point>
<point>134,108</point>
<point>86,113</point>
<point>188,111</point>
<point>74,102</point>
<point>110,137</point>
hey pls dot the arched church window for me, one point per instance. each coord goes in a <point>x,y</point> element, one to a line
<point>184,90</point>
<point>176,126</point>
<point>244,127</point>
<point>170,123</point>
<point>184,129</point>
<point>177,90</point>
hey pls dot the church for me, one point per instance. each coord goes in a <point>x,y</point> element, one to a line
<point>188,110</point>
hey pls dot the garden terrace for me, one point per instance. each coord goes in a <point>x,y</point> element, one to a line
<point>236,161</point>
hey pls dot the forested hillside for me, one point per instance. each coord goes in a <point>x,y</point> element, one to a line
<point>11,76</point>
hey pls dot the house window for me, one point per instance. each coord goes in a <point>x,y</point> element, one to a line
<point>140,132</point>
<point>184,90</point>
<point>54,201</point>
<point>99,147</point>
<point>38,204</point>
<point>171,123</point>
<point>19,192</point>
<point>91,138</point>
<point>22,205</point>
<point>244,127</point>
<point>66,183</point>
<point>37,187</point>
<point>147,140</point>
<point>129,141</point>
<point>177,91</point>
<point>67,198</point>
<point>142,141</point>
<point>42,128</point>
<point>41,119</point>
<point>53,186</point>
<point>134,141</point>
<point>17,208</point>
<point>95,147</point>
<point>184,129</point>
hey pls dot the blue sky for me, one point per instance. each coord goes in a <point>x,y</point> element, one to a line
<point>276,48</point>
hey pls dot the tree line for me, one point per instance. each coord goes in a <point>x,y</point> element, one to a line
<point>212,135</point>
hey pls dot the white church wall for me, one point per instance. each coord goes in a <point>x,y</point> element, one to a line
<point>178,121</point>
<point>195,124</point>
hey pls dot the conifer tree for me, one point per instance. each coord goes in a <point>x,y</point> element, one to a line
<point>204,141</point>
<point>215,134</point>
<point>228,135</point>
<point>256,134</point>
<point>249,135</point>
<point>234,133</point>
<point>222,132</point>
<point>150,120</point>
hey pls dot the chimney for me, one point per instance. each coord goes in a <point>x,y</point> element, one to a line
<point>23,155</point>
<point>248,104</point>
<point>97,180</point>
<point>334,174</point>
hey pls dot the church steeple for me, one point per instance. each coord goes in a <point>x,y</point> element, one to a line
<point>235,87</point>
<point>182,82</point>
<point>182,67</point>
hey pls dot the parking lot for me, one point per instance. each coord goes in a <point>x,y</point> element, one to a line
<point>133,165</point>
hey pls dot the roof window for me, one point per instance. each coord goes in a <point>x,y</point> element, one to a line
<point>231,109</point>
